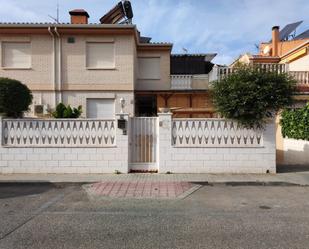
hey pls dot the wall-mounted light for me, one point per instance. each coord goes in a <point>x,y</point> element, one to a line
<point>122,102</point>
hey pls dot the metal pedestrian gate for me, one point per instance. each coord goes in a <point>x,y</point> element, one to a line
<point>143,143</point>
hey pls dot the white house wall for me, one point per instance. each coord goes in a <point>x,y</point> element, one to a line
<point>302,64</point>
<point>296,152</point>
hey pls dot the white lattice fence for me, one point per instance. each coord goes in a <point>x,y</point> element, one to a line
<point>58,133</point>
<point>213,133</point>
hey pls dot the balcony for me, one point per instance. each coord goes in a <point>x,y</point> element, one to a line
<point>181,82</point>
<point>301,77</point>
<point>190,82</point>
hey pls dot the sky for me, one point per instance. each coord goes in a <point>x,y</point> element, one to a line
<point>226,27</point>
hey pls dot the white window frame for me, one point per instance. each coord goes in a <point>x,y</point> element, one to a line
<point>112,67</point>
<point>3,57</point>
<point>140,77</point>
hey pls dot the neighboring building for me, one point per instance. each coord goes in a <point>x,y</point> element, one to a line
<point>96,65</point>
<point>286,48</point>
<point>290,53</point>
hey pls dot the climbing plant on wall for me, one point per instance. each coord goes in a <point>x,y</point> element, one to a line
<point>295,123</point>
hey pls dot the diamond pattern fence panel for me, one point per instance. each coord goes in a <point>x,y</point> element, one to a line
<point>58,133</point>
<point>213,133</point>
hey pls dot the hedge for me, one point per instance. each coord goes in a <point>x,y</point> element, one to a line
<point>15,98</point>
<point>252,96</point>
<point>295,123</point>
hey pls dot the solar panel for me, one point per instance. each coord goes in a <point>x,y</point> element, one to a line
<point>287,30</point>
<point>304,35</point>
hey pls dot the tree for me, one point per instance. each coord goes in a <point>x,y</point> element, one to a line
<point>15,98</point>
<point>251,95</point>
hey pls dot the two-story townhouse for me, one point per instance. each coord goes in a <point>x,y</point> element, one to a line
<point>93,65</point>
<point>100,65</point>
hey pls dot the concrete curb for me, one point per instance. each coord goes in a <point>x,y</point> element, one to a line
<point>201,183</point>
<point>265,184</point>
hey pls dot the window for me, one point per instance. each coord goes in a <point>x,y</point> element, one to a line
<point>101,108</point>
<point>16,54</point>
<point>100,55</point>
<point>149,68</point>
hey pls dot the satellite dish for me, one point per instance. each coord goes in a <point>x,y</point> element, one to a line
<point>266,50</point>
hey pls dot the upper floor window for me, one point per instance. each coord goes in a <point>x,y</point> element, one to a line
<point>100,55</point>
<point>16,54</point>
<point>149,68</point>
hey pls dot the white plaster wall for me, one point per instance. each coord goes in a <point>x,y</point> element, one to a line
<point>302,64</point>
<point>296,152</point>
<point>215,160</point>
<point>66,160</point>
<point>170,159</point>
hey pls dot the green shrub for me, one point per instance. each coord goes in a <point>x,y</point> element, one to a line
<point>15,98</point>
<point>295,123</point>
<point>63,111</point>
<point>251,96</point>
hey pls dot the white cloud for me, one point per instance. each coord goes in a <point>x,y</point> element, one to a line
<point>228,27</point>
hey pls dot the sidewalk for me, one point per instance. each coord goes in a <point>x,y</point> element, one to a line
<point>298,178</point>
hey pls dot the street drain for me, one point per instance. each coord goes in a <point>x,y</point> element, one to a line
<point>264,207</point>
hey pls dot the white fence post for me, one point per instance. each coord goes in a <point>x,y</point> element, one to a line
<point>122,141</point>
<point>165,140</point>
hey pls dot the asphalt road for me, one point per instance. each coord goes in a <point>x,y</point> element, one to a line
<point>46,216</point>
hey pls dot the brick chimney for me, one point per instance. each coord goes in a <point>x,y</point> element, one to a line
<point>275,41</point>
<point>79,16</point>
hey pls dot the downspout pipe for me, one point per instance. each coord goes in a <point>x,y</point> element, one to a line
<point>54,66</point>
<point>59,64</point>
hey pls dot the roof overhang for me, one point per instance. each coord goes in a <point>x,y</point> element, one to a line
<point>264,59</point>
<point>82,29</point>
<point>207,57</point>
<point>296,53</point>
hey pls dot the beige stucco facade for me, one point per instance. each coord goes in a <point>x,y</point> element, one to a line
<point>163,82</point>
<point>77,76</point>
<point>59,71</point>
<point>77,98</point>
<point>39,76</point>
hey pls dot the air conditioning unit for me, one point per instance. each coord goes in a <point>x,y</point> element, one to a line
<point>40,110</point>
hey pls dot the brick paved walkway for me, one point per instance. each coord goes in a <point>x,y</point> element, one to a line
<point>141,189</point>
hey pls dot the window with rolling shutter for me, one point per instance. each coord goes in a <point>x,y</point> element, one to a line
<point>100,55</point>
<point>16,54</point>
<point>101,108</point>
<point>149,68</point>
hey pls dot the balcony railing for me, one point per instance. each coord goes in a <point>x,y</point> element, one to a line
<point>302,77</point>
<point>181,82</point>
<point>266,67</point>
